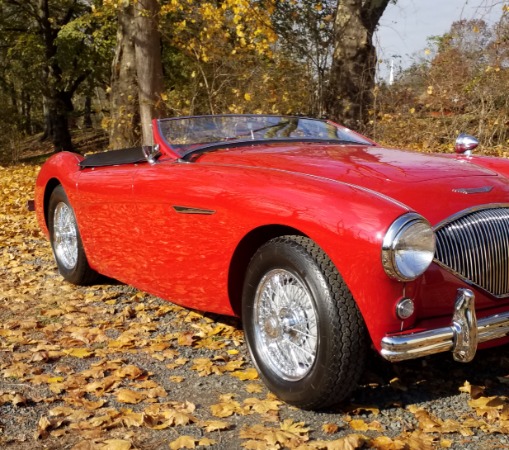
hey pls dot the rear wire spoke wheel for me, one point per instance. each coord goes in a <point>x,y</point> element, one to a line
<point>303,329</point>
<point>66,241</point>
<point>65,236</point>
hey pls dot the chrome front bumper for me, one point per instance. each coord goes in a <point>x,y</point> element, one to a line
<point>461,337</point>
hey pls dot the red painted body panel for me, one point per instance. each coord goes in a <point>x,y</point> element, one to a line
<point>343,197</point>
<point>105,213</point>
<point>498,165</point>
<point>61,168</point>
<point>414,179</point>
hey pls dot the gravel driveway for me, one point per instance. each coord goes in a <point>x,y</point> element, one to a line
<point>109,367</point>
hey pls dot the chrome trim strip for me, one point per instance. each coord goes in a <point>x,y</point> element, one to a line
<point>474,248</point>
<point>190,210</point>
<point>467,211</point>
<point>424,343</point>
<point>469,282</point>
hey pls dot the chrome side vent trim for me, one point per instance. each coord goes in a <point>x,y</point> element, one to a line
<point>475,246</point>
<point>191,210</point>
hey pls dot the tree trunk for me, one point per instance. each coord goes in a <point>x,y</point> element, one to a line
<point>124,127</point>
<point>148,65</point>
<point>26,112</point>
<point>352,76</point>
<point>57,100</point>
<point>87,113</point>
<point>57,107</point>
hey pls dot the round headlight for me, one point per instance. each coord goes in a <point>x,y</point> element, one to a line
<point>408,247</point>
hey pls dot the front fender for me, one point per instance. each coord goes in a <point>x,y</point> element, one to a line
<point>498,165</point>
<point>348,222</point>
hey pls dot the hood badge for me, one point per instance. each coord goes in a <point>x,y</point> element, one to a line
<point>479,190</point>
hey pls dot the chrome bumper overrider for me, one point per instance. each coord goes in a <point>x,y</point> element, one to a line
<point>461,337</point>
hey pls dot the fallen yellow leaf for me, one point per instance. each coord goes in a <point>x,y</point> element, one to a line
<point>330,428</point>
<point>183,442</point>
<point>215,425</point>
<point>116,444</point>
<point>79,352</point>
<point>128,396</point>
<point>248,374</point>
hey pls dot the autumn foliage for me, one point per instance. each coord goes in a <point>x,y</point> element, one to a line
<point>243,56</point>
<point>458,84</point>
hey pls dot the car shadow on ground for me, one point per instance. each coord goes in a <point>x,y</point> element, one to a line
<point>390,385</point>
<point>396,385</point>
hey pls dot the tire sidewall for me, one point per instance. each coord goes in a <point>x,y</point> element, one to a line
<point>75,274</point>
<point>281,256</point>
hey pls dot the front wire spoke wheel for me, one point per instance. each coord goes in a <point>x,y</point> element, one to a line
<point>303,329</point>
<point>286,324</point>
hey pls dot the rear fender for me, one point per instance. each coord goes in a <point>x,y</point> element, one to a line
<point>61,168</point>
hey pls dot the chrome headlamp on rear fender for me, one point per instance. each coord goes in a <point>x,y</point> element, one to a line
<point>408,247</point>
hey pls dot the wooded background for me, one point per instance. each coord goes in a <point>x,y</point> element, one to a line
<point>67,66</point>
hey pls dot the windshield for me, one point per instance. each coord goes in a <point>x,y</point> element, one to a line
<point>186,135</point>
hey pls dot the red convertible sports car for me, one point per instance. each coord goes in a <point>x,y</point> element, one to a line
<point>323,242</point>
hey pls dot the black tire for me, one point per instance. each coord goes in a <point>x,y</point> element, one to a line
<point>72,264</point>
<point>321,315</point>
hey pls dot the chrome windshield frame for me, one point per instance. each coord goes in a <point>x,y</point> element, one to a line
<point>297,128</point>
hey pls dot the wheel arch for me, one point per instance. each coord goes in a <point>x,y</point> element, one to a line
<point>51,185</point>
<point>242,255</point>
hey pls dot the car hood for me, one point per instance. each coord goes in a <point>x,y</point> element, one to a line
<point>434,185</point>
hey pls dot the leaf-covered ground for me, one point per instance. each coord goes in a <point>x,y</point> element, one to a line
<point>109,367</point>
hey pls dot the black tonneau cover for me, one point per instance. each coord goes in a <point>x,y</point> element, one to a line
<point>114,158</point>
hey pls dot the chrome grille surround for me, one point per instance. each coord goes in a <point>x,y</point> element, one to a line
<point>474,245</point>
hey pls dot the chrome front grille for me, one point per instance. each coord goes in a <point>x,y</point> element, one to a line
<point>476,247</point>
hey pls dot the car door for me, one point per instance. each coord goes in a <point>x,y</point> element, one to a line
<point>186,245</point>
<point>105,214</point>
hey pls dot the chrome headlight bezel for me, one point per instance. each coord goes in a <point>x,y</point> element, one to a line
<point>396,263</point>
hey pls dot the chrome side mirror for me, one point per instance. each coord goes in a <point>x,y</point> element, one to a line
<point>151,153</point>
<point>465,144</point>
